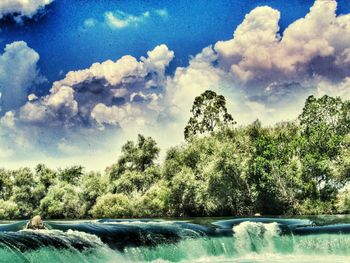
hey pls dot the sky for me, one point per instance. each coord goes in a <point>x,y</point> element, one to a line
<point>80,77</point>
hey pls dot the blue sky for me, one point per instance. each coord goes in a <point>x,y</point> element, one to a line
<point>80,77</point>
<point>64,45</point>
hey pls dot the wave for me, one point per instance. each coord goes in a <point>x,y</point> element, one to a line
<point>236,240</point>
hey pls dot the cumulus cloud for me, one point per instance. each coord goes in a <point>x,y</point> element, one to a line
<point>266,73</point>
<point>112,85</point>
<point>18,72</point>
<point>316,45</point>
<point>121,94</point>
<point>262,72</point>
<point>341,89</point>
<point>22,8</point>
<point>110,115</point>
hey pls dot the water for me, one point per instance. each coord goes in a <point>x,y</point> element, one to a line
<point>320,239</point>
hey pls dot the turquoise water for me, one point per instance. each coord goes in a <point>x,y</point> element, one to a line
<point>321,239</point>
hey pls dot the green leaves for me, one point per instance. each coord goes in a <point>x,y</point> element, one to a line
<point>209,114</point>
<point>291,167</point>
<point>135,156</point>
<point>326,114</point>
<point>325,125</point>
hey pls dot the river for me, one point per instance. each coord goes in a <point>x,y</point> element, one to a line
<point>307,239</point>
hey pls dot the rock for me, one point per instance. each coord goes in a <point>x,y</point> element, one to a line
<point>35,223</point>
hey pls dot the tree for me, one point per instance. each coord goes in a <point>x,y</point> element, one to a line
<point>331,114</point>
<point>62,201</point>
<point>209,114</point>
<point>8,210</point>
<point>136,157</point>
<point>273,172</point>
<point>206,176</point>
<point>153,203</point>
<point>71,175</point>
<point>44,175</point>
<point>5,184</point>
<point>325,124</point>
<point>23,186</point>
<point>93,185</point>
<point>133,181</point>
<point>112,206</point>
<point>44,178</point>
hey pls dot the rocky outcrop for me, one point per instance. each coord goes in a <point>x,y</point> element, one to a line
<point>35,223</point>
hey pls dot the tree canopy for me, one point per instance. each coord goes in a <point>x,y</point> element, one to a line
<point>209,114</point>
<point>295,167</point>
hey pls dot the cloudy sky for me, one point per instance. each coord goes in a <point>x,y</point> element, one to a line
<point>78,78</point>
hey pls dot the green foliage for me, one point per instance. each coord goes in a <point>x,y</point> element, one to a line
<point>23,186</point>
<point>343,202</point>
<point>71,175</point>
<point>131,181</point>
<point>274,167</point>
<point>207,176</point>
<point>62,201</point>
<point>318,207</point>
<point>153,203</point>
<point>45,176</point>
<point>112,206</point>
<point>300,167</point>
<point>135,157</point>
<point>5,184</point>
<point>93,185</point>
<point>325,126</point>
<point>209,114</point>
<point>8,209</point>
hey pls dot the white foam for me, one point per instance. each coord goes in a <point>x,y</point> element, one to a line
<point>250,236</point>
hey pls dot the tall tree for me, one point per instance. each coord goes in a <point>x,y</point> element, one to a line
<point>209,114</point>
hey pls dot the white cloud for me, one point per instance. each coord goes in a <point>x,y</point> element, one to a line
<point>120,19</point>
<point>316,45</point>
<point>68,148</point>
<point>22,8</point>
<point>107,115</point>
<point>191,81</point>
<point>124,71</point>
<point>91,22</point>
<point>341,89</point>
<point>32,97</point>
<point>33,113</point>
<point>162,12</point>
<point>92,102</point>
<point>262,75</point>
<point>18,72</point>
<point>158,59</point>
<point>265,75</point>
<point>8,120</point>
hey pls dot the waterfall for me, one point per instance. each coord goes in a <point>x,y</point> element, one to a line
<point>255,237</point>
<point>175,241</point>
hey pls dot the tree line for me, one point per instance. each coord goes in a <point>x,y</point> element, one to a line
<point>298,167</point>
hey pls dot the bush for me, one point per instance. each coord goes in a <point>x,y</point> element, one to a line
<point>8,209</point>
<point>62,202</point>
<point>112,206</point>
<point>153,203</point>
<point>343,203</point>
<point>315,207</point>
